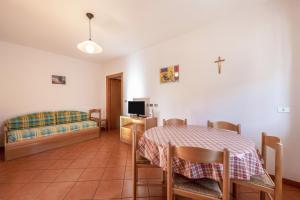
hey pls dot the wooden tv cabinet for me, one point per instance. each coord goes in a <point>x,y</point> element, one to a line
<point>126,125</point>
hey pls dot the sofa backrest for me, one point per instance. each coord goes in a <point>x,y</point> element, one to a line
<point>64,117</point>
<point>45,119</point>
<point>31,120</point>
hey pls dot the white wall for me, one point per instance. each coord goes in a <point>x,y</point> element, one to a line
<point>260,50</point>
<point>25,77</point>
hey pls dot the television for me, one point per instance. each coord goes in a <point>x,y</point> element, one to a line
<point>136,107</point>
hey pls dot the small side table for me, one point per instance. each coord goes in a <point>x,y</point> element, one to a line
<point>103,124</point>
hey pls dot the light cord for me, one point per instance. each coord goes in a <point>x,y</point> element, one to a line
<point>90,29</point>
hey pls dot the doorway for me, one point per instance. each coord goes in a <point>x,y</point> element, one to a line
<point>114,100</point>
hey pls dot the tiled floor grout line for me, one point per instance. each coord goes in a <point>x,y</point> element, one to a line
<point>73,185</point>
<point>96,189</point>
<point>124,176</point>
<point>48,184</point>
<point>67,193</point>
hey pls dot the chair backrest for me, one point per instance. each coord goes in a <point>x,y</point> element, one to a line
<point>225,125</point>
<point>199,155</point>
<point>275,144</point>
<point>174,122</point>
<point>95,115</point>
<point>96,111</point>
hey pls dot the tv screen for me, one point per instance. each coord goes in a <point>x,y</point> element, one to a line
<point>136,107</point>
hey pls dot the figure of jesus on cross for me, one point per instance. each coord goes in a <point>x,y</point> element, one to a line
<point>219,62</point>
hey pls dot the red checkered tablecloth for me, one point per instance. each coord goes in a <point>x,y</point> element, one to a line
<point>244,161</point>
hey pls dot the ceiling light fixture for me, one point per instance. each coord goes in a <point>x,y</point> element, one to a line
<point>89,46</point>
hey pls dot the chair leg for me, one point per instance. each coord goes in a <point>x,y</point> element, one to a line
<point>234,190</point>
<point>134,189</point>
<point>134,182</point>
<point>262,196</point>
<point>172,197</point>
<point>170,194</point>
<point>237,192</point>
<point>164,177</point>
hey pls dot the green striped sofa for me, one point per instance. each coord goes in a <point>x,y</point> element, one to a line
<point>41,128</point>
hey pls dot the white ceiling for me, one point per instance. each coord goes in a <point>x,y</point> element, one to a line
<point>121,27</point>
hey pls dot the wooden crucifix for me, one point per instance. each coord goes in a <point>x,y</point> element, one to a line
<point>219,62</point>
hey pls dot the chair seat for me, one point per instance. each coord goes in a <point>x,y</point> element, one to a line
<point>203,186</point>
<point>141,160</point>
<point>261,180</point>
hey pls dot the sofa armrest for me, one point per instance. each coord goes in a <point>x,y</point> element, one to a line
<point>96,119</point>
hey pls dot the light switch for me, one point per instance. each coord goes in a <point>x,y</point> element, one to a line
<point>283,109</point>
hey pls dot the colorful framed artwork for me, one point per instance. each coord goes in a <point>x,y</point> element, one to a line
<point>169,74</point>
<point>58,79</point>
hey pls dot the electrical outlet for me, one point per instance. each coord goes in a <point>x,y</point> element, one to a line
<point>283,109</point>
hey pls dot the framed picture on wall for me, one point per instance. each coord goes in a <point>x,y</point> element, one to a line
<point>58,79</point>
<point>169,74</point>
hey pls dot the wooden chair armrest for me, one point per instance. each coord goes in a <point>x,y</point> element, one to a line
<point>96,119</point>
<point>5,130</point>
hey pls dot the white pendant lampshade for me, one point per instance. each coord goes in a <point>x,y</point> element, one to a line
<point>89,46</point>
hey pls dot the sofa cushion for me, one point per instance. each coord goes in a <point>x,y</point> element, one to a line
<point>31,121</point>
<point>63,117</point>
<point>26,134</point>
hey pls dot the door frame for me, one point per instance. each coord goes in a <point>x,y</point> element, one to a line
<point>108,95</point>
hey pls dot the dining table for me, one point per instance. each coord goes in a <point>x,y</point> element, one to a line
<point>244,159</point>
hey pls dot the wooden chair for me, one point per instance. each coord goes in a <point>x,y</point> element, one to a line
<point>225,125</point>
<point>264,183</point>
<point>103,124</point>
<point>199,188</point>
<point>174,122</point>
<point>139,162</point>
<point>97,112</point>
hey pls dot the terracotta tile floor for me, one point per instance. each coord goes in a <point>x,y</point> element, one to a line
<point>96,169</point>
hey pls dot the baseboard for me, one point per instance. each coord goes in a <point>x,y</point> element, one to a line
<point>289,182</point>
